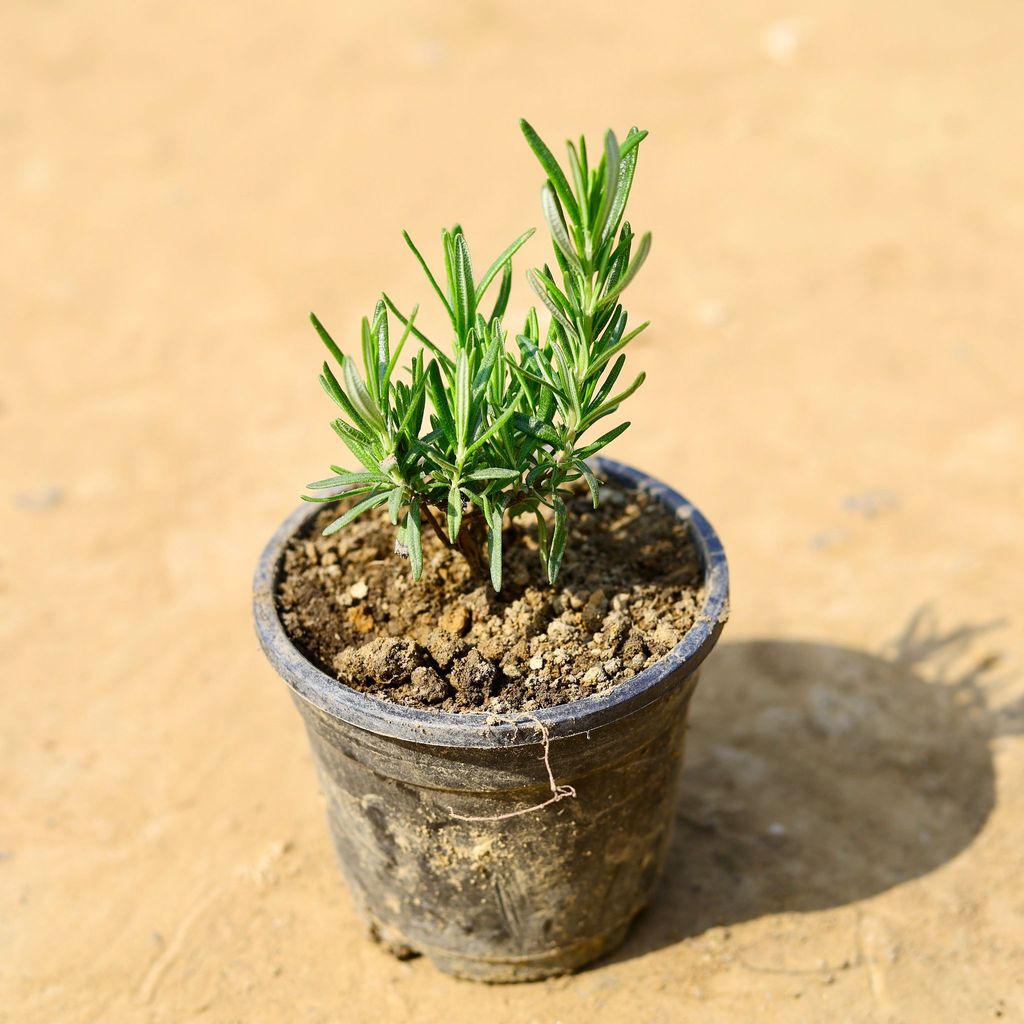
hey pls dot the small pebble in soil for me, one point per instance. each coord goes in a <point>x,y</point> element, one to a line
<point>473,677</point>
<point>444,647</point>
<point>428,686</point>
<point>456,620</point>
<point>560,630</point>
<point>360,619</point>
<point>594,610</point>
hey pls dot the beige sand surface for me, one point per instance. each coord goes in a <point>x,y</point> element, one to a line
<point>836,377</point>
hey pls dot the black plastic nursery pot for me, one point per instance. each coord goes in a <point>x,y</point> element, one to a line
<point>503,849</point>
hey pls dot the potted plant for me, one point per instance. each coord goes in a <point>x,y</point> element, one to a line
<point>493,640</point>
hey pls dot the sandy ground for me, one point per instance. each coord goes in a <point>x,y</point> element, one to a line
<point>836,377</point>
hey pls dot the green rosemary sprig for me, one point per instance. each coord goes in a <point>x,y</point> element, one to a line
<point>482,431</point>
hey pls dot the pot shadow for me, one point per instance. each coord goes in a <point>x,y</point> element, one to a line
<point>817,775</point>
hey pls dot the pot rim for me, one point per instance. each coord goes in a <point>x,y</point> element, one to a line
<point>483,729</point>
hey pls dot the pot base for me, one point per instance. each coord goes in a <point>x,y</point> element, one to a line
<point>506,970</point>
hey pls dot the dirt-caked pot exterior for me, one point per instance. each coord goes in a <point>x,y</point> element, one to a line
<point>421,804</point>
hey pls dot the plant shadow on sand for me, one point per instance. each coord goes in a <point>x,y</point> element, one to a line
<point>817,775</point>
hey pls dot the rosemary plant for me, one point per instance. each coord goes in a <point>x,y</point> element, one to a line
<point>484,430</point>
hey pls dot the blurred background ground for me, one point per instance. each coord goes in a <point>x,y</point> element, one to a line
<point>835,375</point>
